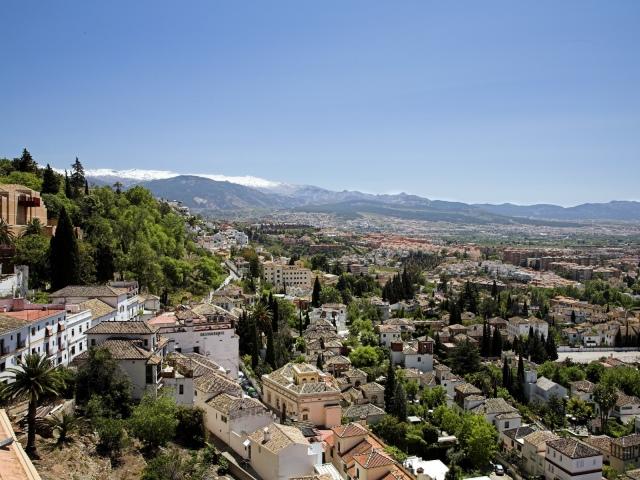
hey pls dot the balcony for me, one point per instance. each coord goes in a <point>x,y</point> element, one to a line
<point>28,201</point>
<point>21,345</point>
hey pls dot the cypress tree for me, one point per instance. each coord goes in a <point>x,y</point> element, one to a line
<point>64,254</point>
<point>86,187</point>
<point>437,344</point>
<point>400,403</point>
<point>67,186</point>
<point>550,347</point>
<point>390,387</point>
<point>315,294</point>
<point>525,309</point>
<point>320,361</point>
<point>105,266</point>
<point>496,344</point>
<point>50,182</point>
<point>494,289</point>
<point>270,355</point>
<point>485,345</point>
<point>506,376</point>
<point>255,342</point>
<point>520,379</point>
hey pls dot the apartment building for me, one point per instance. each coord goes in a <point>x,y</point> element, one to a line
<point>281,452</point>
<point>205,329</point>
<point>19,205</point>
<point>290,275</point>
<point>31,328</point>
<point>122,296</point>
<point>303,392</point>
<point>569,459</point>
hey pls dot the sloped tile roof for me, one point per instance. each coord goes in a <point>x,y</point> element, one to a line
<point>572,448</point>
<point>129,327</point>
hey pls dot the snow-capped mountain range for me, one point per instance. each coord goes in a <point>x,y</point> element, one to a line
<point>136,175</point>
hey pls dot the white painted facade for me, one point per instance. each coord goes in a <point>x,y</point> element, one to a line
<point>561,467</point>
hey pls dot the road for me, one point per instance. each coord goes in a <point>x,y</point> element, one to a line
<point>586,356</point>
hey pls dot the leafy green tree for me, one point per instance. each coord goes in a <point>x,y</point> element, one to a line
<point>434,397</point>
<point>154,421</point>
<point>64,254</point>
<point>364,357</point>
<point>190,431</point>
<point>465,358</point>
<point>606,396</point>
<point>50,181</point>
<point>100,378</point>
<point>391,430</point>
<point>479,440</point>
<point>112,437</point>
<point>34,378</point>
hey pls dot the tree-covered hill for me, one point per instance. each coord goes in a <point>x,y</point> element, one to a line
<point>124,234</point>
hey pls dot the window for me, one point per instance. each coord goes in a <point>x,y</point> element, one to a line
<point>146,342</point>
<point>149,374</point>
<point>181,390</point>
<point>2,366</point>
<point>73,350</point>
<point>93,342</point>
<point>506,424</point>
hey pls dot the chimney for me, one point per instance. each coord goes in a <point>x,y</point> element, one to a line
<point>266,435</point>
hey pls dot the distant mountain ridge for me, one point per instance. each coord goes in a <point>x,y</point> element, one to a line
<point>242,194</point>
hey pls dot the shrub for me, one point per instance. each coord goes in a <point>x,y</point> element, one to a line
<point>154,421</point>
<point>190,431</point>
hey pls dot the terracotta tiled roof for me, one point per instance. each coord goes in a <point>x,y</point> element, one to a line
<point>123,349</point>
<point>88,291</point>
<point>230,404</point>
<point>627,441</point>
<point>281,436</point>
<point>129,327</point>
<point>350,430</point>
<point>540,437</point>
<point>98,308</point>
<point>572,448</point>
<point>374,459</point>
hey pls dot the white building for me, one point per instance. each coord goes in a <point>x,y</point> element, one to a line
<point>77,323</point>
<point>232,419</point>
<point>30,328</point>
<point>292,275</point>
<point>137,348</point>
<point>124,299</point>
<point>205,329</point>
<point>568,459</point>
<point>279,452</point>
<point>520,327</point>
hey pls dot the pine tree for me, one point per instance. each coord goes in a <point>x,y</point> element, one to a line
<point>26,163</point>
<point>64,254</point>
<point>496,344</point>
<point>315,294</point>
<point>50,182</point>
<point>390,386</point>
<point>77,179</point>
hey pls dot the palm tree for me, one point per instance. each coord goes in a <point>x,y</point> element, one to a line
<point>65,424</point>
<point>34,378</point>
<point>34,227</point>
<point>261,315</point>
<point>6,235</point>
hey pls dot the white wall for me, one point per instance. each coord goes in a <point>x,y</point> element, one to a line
<point>556,464</point>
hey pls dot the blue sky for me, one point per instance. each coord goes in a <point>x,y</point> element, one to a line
<point>475,101</point>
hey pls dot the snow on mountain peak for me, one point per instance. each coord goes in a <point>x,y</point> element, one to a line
<point>141,175</point>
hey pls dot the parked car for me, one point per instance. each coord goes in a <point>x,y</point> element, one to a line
<point>499,469</point>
